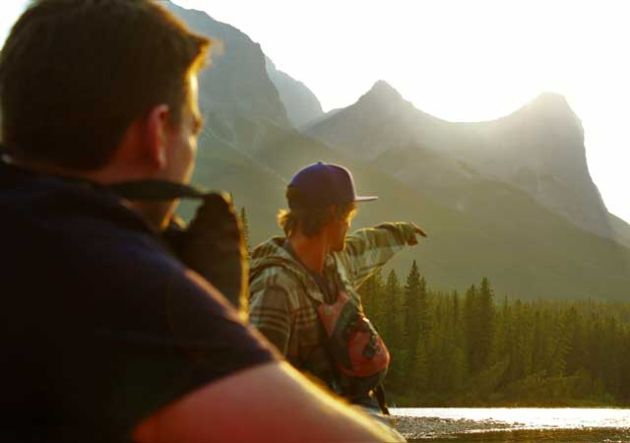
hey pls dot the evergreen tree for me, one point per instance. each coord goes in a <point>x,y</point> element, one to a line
<point>392,332</point>
<point>371,295</point>
<point>392,327</point>
<point>471,321</point>
<point>486,321</point>
<point>562,345</point>
<point>424,311</point>
<point>479,306</point>
<point>419,374</point>
<point>459,360</point>
<point>411,307</point>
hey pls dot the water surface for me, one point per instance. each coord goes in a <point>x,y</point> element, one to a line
<point>516,424</point>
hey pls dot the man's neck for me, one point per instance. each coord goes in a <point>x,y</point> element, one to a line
<point>310,250</point>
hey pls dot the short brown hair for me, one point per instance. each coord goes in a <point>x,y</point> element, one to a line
<point>74,74</point>
<point>311,221</point>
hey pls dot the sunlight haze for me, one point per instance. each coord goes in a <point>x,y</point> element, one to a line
<point>457,60</point>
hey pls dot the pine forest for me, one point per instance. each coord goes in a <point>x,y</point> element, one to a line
<point>470,349</point>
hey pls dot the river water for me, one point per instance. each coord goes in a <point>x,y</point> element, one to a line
<point>523,425</point>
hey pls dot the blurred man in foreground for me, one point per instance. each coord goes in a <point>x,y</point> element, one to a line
<point>106,336</point>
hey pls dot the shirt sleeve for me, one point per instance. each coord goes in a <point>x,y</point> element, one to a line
<point>212,333</point>
<point>269,312</point>
<point>178,338</point>
<point>370,248</point>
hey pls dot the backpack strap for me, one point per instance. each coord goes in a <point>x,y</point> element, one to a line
<point>156,190</point>
<point>379,393</point>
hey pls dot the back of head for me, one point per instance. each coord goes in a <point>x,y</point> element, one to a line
<point>74,74</point>
<point>318,194</point>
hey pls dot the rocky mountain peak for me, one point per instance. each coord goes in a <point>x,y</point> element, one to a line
<point>551,101</point>
<point>552,108</point>
<point>381,113</point>
<point>383,93</point>
<point>237,84</point>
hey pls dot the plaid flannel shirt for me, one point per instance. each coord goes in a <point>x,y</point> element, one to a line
<point>284,295</point>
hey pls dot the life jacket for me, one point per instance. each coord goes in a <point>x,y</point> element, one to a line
<point>358,350</point>
<point>355,348</point>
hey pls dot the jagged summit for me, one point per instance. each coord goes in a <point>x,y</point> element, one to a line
<point>549,104</point>
<point>548,110</point>
<point>547,97</point>
<point>238,83</point>
<point>382,91</point>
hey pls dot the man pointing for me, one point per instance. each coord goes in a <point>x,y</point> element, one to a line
<point>304,295</point>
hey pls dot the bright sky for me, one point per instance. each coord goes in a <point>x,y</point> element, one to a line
<point>458,60</point>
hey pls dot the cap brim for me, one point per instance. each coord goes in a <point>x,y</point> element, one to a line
<point>366,198</point>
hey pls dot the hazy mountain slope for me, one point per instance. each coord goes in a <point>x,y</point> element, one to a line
<point>621,229</point>
<point>252,185</point>
<point>538,149</point>
<point>301,104</point>
<point>236,90</point>
<point>500,232</point>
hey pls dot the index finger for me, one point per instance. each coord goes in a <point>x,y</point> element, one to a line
<point>419,230</point>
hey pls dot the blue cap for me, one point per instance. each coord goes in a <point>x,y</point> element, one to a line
<point>322,185</point>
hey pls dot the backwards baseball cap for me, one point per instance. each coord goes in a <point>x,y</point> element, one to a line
<point>320,185</point>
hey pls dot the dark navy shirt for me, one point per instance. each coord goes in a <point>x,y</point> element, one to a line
<point>99,325</point>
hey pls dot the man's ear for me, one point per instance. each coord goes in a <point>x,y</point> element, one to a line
<point>156,135</point>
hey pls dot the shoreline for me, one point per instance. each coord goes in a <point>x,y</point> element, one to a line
<point>431,424</point>
<point>415,428</point>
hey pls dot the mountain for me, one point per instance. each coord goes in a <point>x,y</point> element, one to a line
<point>380,115</point>
<point>621,229</point>
<point>538,149</point>
<point>301,104</point>
<point>239,101</point>
<point>478,225</point>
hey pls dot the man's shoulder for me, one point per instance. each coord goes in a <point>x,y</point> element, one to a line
<point>279,275</point>
<point>52,208</point>
<point>77,237</point>
<point>273,266</point>
<point>40,202</point>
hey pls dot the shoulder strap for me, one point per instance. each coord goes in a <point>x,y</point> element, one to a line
<point>379,393</point>
<point>157,190</point>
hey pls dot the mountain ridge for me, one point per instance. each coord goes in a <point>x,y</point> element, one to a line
<point>237,83</point>
<point>538,148</point>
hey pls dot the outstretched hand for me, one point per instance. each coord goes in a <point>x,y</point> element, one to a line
<point>417,230</point>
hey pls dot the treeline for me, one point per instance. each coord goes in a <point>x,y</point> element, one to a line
<point>470,349</point>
